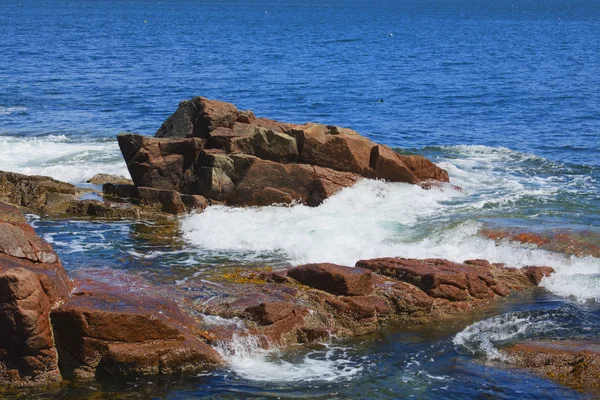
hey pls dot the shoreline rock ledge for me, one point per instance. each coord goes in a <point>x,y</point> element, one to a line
<point>212,153</point>
<point>53,328</point>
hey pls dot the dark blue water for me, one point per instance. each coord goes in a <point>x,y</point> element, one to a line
<point>505,94</point>
<point>519,74</point>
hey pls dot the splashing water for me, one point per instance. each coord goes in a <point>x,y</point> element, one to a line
<point>249,360</point>
<point>61,158</point>
<point>481,337</point>
<point>484,337</point>
<point>379,219</point>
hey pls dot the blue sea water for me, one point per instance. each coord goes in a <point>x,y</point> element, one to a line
<point>504,94</point>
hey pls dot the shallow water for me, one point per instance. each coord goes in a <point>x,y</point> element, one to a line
<point>504,95</point>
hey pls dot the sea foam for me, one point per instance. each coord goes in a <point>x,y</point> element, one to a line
<point>381,219</point>
<point>248,360</point>
<point>12,110</point>
<point>61,158</point>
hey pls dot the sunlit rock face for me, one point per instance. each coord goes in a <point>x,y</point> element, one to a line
<point>210,148</point>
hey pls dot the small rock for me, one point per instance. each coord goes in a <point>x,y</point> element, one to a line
<point>101,179</point>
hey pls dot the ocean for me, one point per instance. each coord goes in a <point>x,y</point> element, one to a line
<point>505,95</point>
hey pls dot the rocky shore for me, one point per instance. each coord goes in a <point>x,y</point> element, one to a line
<point>55,328</point>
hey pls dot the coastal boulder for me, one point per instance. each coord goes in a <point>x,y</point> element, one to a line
<point>267,183</point>
<point>424,169</point>
<point>336,148</point>
<point>101,329</point>
<point>32,282</point>
<point>455,282</point>
<point>159,163</point>
<point>388,165</point>
<point>212,149</point>
<point>38,194</point>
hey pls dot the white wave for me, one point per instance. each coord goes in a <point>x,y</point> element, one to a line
<point>247,359</point>
<point>60,157</point>
<point>379,219</point>
<point>220,321</point>
<point>581,281</point>
<point>482,337</point>
<point>12,110</point>
<point>367,220</point>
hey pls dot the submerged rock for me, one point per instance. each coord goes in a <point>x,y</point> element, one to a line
<point>575,363</point>
<point>209,148</point>
<point>577,243</point>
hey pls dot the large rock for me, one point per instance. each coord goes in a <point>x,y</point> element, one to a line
<point>32,282</point>
<point>342,150</point>
<point>27,354</point>
<point>159,163</point>
<point>273,183</point>
<point>103,330</point>
<point>455,282</point>
<point>424,169</point>
<point>388,165</point>
<point>575,363</point>
<point>267,183</point>
<point>210,148</point>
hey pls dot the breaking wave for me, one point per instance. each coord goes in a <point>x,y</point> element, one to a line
<point>248,360</point>
<point>380,219</point>
<point>60,157</point>
<point>486,337</point>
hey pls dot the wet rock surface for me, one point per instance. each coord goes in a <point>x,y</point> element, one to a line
<point>315,301</point>
<point>39,194</point>
<point>575,363</point>
<point>32,282</point>
<point>212,149</point>
<point>113,324</point>
<point>103,330</point>
<point>49,332</point>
